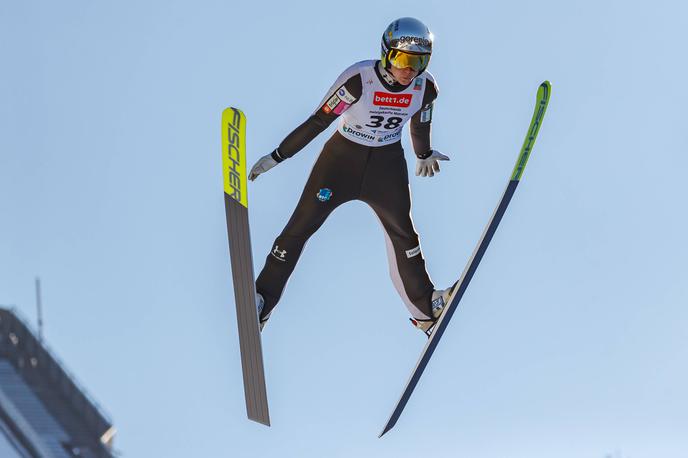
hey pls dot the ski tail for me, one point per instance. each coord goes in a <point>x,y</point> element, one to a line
<point>236,208</point>
<point>542,101</point>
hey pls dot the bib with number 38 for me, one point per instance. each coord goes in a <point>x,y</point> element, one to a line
<point>379,115</point>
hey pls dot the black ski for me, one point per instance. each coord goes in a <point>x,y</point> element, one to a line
<point>472,265</point>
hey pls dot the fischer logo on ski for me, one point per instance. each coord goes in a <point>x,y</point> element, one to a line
<point>233,156</point>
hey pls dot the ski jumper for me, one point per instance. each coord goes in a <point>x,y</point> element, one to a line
<point>363,160</point>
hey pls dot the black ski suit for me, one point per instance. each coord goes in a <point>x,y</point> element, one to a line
<point>348,170</point>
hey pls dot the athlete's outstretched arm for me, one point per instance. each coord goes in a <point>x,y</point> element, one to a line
<point>334,104</point>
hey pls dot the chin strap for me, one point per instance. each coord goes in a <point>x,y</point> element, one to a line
<point>386,74</point>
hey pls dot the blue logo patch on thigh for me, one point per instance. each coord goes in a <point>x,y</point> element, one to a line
<point>324,194</point>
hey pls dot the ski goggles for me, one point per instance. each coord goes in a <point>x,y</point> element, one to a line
<point>401,59</point>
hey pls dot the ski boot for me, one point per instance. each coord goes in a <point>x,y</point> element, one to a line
<point>260,303</point>
<point>439,301</point>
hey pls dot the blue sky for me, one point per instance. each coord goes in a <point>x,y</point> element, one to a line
<point>571,340</point>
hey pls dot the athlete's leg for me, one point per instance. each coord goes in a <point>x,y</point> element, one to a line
<point>335,179</point>
<point>386,190</point>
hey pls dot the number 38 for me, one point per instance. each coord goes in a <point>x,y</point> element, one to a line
<point>392,123</point>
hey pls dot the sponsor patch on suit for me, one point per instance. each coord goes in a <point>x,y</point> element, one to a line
<point>413,252</point>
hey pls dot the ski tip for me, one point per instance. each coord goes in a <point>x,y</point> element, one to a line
<point>544,91</point>
<point>231,110</point>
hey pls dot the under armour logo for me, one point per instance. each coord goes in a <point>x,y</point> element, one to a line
<point>369,82</point>
<point>279,254</point>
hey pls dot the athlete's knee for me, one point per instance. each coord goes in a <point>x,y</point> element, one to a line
<point>287,248</point>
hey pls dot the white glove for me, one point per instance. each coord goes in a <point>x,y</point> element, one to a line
<point>428,166</point>
<point>264,164</point>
